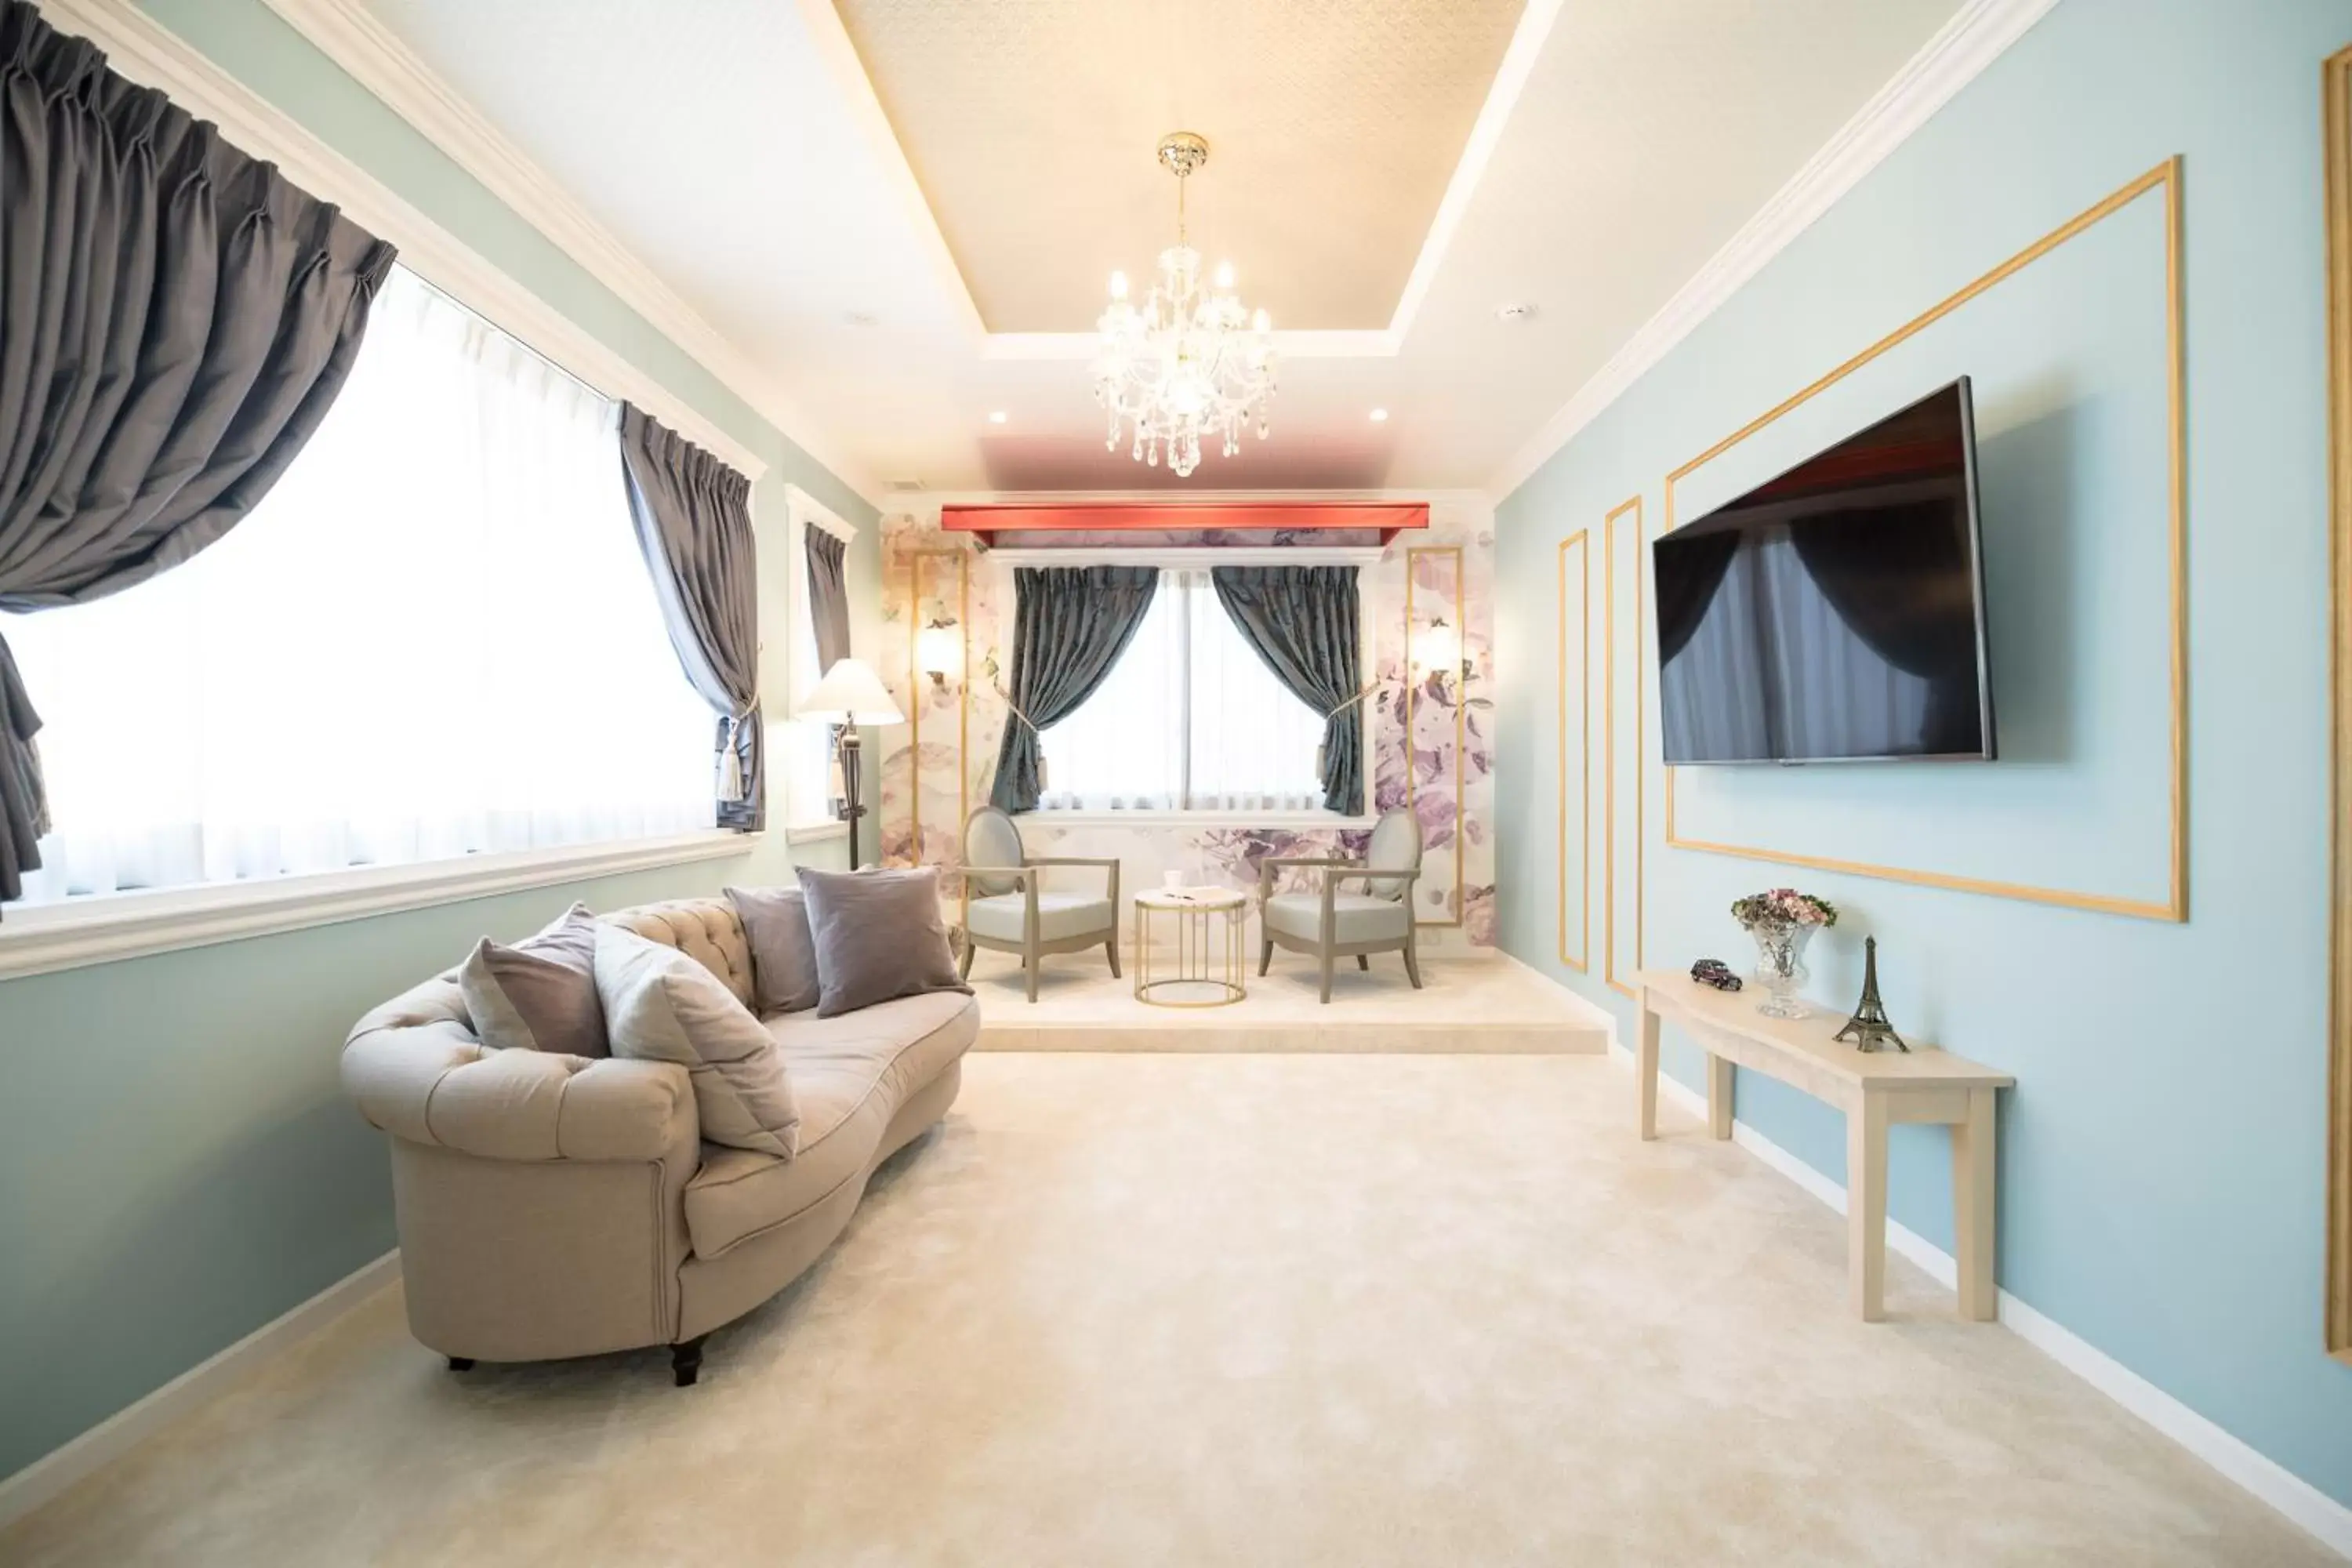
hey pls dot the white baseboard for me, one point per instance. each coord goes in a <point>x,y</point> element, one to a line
<point>2263,1477</point>
<point>116,1435</point>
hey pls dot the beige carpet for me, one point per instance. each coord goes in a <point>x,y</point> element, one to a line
<point>1483,1005</point>
<point>1298,1310</point>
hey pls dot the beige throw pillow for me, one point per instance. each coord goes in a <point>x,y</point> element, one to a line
<point>661,1006</point>
<point>540,993</point>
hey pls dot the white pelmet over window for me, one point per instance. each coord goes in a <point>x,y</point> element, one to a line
<point>1188,719</point>
<point>434,637</point>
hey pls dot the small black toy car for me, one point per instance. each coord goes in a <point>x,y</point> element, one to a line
<point>1715,973</point>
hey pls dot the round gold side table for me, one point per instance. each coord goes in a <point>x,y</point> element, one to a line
<point>1208,947</point>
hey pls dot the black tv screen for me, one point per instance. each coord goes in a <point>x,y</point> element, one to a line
<point>1835,613</point>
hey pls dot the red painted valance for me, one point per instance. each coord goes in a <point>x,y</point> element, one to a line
<point>1390,518</point>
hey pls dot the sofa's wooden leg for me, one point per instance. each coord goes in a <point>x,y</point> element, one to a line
<point>461,1363</point>
<point>1264,955</point>
<point>686,1361</point>
<point>1111,947</point>
<point>1364,962</point>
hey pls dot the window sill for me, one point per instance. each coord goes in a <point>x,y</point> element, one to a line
<point>816,831</point>
<point>41,938</point>
<point>1301,819</point>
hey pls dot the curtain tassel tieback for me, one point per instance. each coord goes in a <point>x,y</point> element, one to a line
<point>1014,708</point>
<point>733,784</point>
<point>1323,748</point>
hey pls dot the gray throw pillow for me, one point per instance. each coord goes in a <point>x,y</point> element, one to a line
<point>540,993</point>
<point>784,952</point>
<point>879,935</point>
<point>661,1006</point>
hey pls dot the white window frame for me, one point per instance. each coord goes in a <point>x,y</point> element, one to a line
<point>808,821</point>
<point>1200,558</point>
<point>102,928</point>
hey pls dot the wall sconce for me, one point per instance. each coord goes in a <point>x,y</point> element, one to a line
<point>1438,647</point>
<point>938,651</point>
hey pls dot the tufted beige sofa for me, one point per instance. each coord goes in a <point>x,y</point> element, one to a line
<point>556,1205</point>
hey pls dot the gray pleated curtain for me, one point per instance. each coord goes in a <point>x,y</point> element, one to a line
<point>828,579</point>
<point>174,320</point>
<point>1070,623</point>
<point>1303,622</point>
<point>694,528</point>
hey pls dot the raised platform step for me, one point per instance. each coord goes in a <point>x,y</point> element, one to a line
<point>1481,1006</point>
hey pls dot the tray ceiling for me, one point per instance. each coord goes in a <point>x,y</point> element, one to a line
<point>1333,128</point>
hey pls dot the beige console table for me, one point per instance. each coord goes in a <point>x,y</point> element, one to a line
<point>1873,1088</point>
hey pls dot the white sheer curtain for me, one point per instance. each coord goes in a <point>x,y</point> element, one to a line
<point>1190,718</point>
<point>434,637</point>
<point>1124,748</point>
<point>1253,743</point>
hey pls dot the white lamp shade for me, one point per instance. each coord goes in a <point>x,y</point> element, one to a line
<point>851,693</point>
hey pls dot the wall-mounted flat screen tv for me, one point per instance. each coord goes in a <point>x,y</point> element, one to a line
<point>1835,613</point>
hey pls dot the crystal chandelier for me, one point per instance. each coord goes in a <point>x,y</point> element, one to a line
<point>1191,362</point>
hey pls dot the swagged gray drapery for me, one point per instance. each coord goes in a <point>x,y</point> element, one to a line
<point>828,580</point>
<point>1302,622</point>
<point>1070,623</point>
<point>694,528</point>
<point>174,320</point>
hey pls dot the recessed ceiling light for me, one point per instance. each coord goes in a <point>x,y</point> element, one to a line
<point>996,416</point>
<point>1379,415</point>
<point>1517,310</point>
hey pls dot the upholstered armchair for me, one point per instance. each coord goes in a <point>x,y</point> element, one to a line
<point>1007,908</point>
<point>1332,924</point>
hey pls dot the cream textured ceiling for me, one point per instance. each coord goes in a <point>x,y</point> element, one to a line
<point>737,147</point>
<point>1333,126</point>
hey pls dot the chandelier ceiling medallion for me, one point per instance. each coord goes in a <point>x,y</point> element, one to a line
<point>1191,362</point>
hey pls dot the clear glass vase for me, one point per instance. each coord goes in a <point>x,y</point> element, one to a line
<point>1781,966</point>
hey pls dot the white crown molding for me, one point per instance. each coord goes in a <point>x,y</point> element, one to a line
<point>839,52</point>
<point>801,508</point>
<point>1518,63</point>
<point>143,50</point>
<point>347,33</point>
<point>124,1430</point>
<point>1975,37</point>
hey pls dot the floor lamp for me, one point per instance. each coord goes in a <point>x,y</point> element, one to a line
<point>849,695</point>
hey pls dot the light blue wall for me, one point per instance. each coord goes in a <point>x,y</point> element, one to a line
<point>2162,1159</point>
<point>177,1163</point>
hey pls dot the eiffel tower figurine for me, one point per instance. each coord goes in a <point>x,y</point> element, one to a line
<point>1868,1029</point>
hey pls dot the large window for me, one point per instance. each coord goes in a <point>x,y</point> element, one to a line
<point>1188,719</point>
<point>434,637</point>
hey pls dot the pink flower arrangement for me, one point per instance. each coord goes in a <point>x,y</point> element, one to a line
<point>1783,906</point>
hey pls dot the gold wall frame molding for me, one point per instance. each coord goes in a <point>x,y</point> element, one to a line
<point>1580,542</point>
<point>2164,178</point>
<point>2336,92</point>
<point>915,559</point>
<point>1461,708</point>
<point>1608,740</point>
